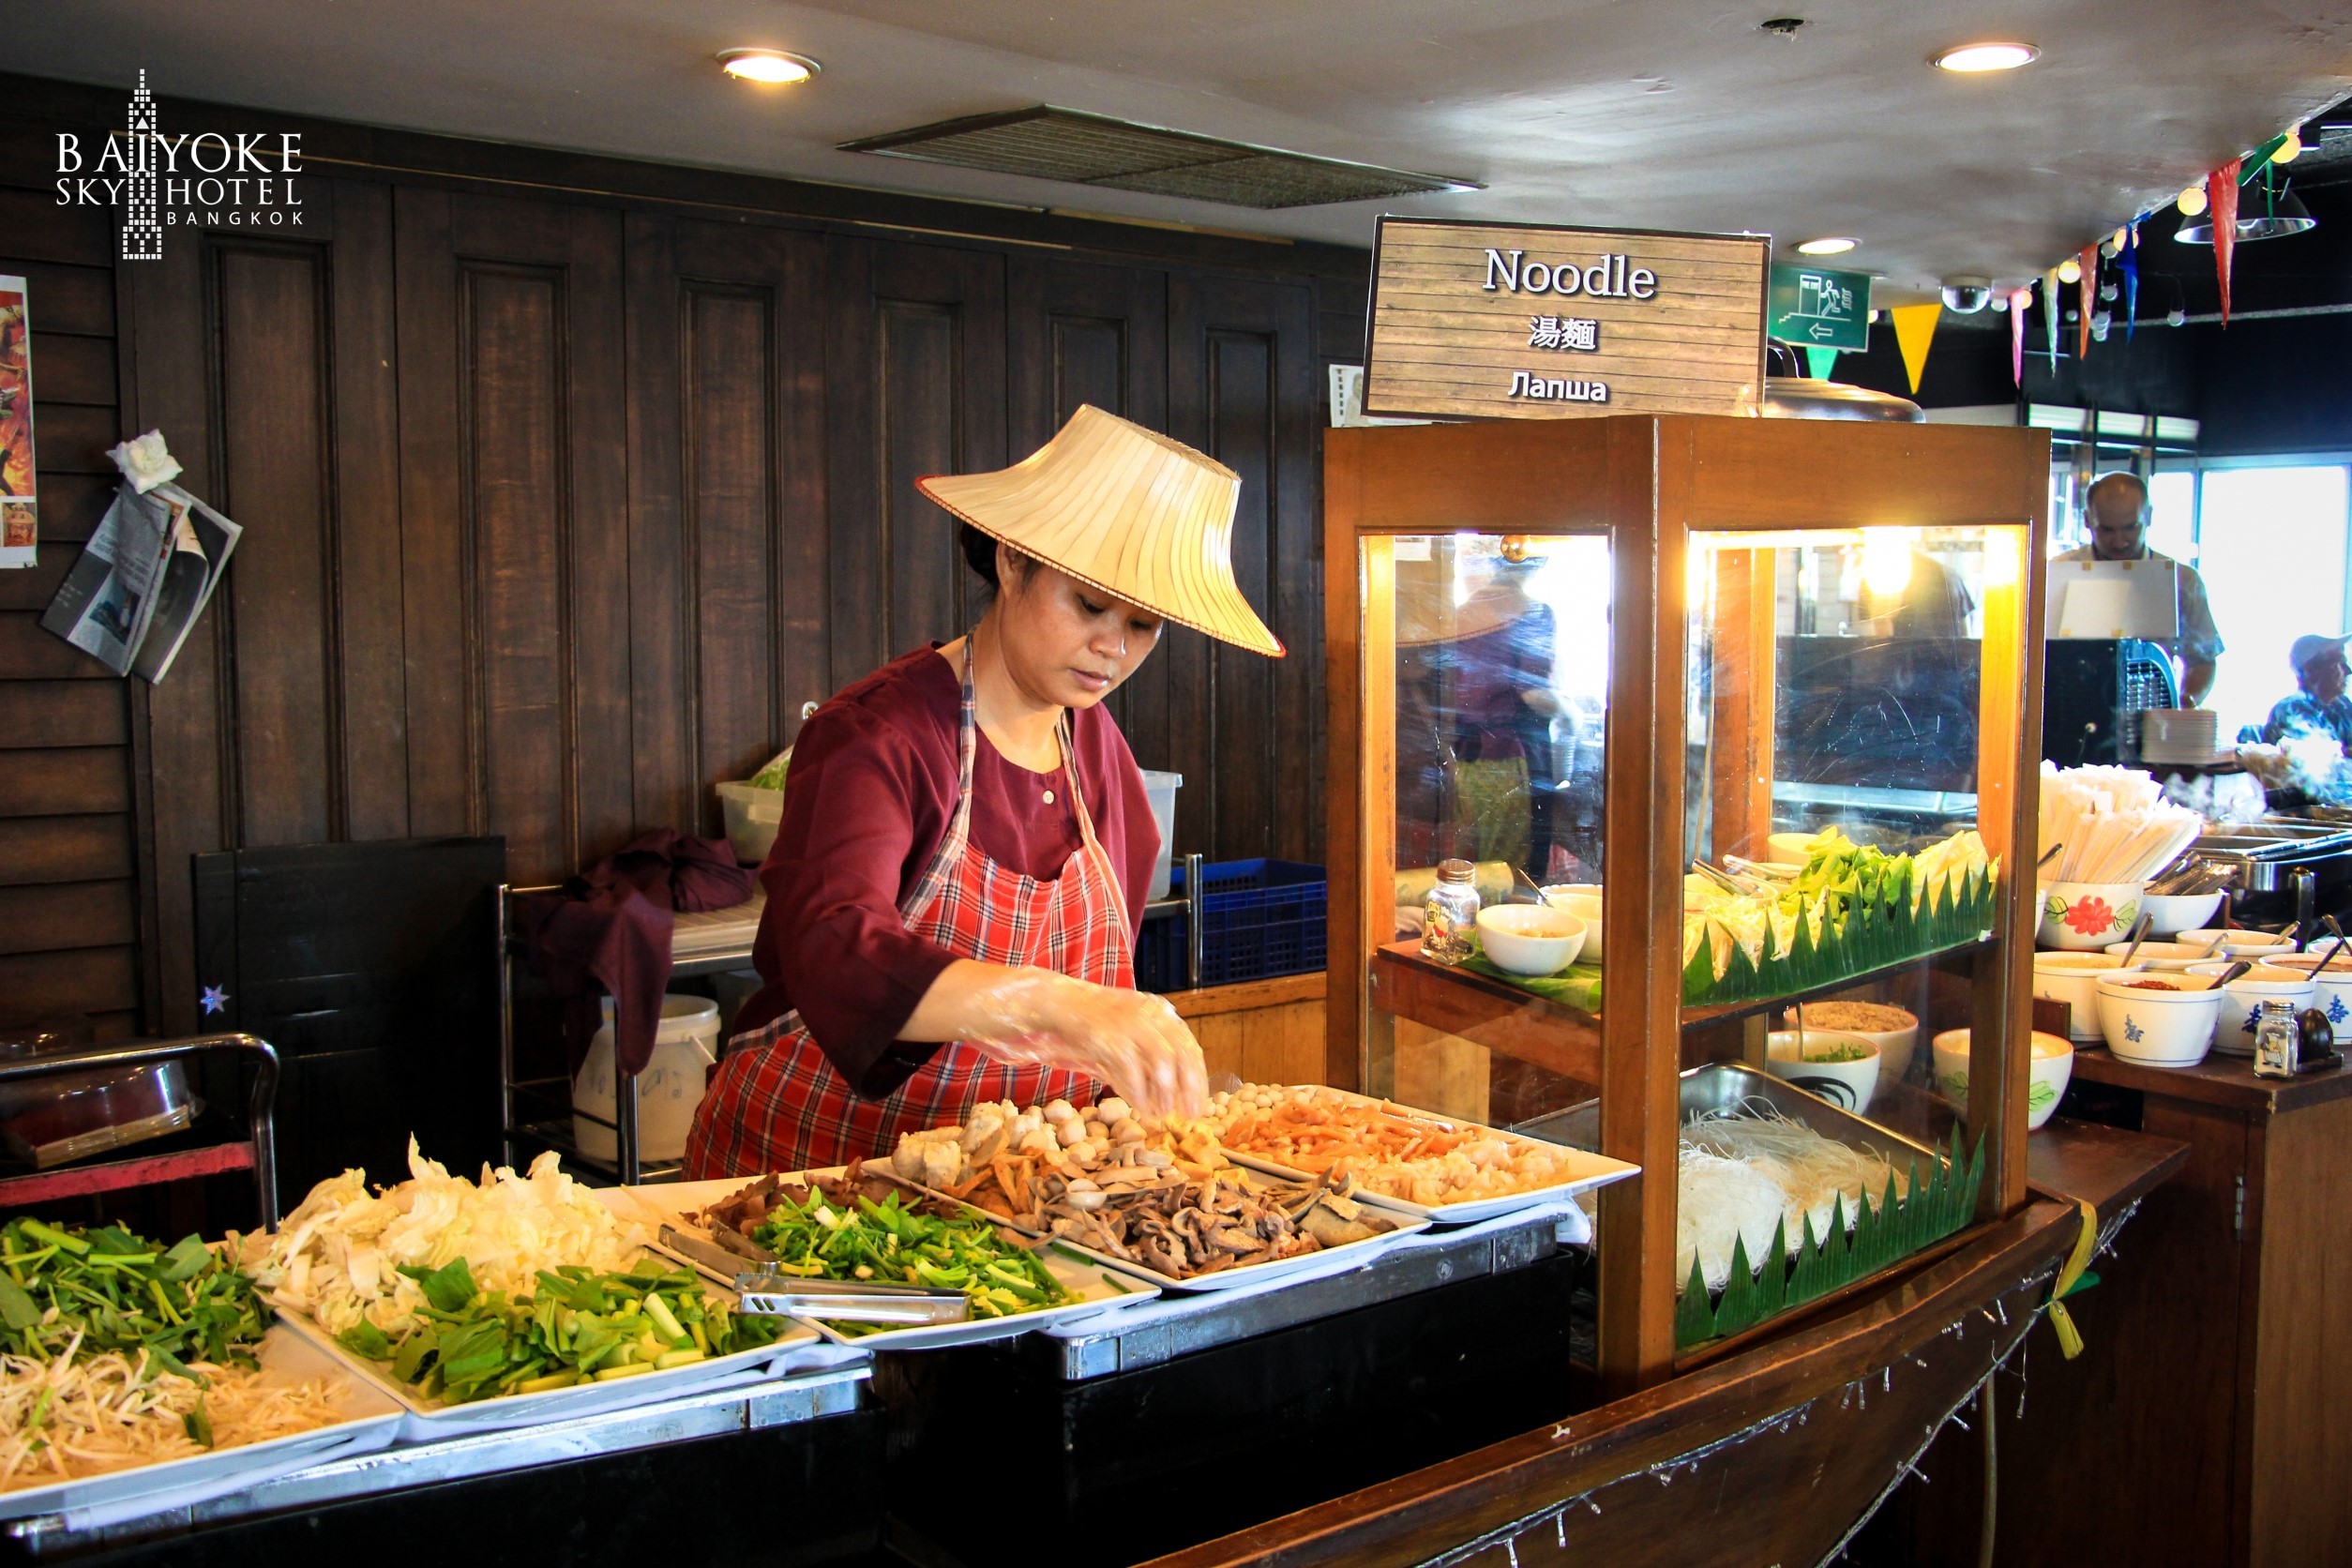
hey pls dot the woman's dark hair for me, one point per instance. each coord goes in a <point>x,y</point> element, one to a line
<point>980,554</point>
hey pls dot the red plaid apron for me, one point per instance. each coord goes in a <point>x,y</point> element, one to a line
<point>775,1102</point>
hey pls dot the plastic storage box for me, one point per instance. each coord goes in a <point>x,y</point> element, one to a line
<point>1161,788</point>
<point>1260,919</point>
<point>753,816</point>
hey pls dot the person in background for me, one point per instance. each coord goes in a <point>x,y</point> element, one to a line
<point>2320,706</point>
<point>2115,506</point>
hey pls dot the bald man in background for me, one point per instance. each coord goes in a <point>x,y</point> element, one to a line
<point>2115,506</point>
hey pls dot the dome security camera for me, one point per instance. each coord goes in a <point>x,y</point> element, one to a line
<point>1965,296</point>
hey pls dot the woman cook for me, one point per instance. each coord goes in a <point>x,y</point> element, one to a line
<point>966,840</point>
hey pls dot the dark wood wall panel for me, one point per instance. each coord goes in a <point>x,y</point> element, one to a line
<point>1077,332</point>
<point>69,909</point>
<point>1242,388</point>
<point>511,373</point>
<point>730,506</point>
<point>272,421</point>
<point>916,385</point>
<point>729,596</point>
<point>559,508</point>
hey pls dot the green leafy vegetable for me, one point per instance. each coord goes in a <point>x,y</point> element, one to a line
<point>120,1291</point>
<point>574,1325</point>
<point>892,1245</point>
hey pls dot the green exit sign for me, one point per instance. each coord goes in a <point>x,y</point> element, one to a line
<point>1819,308</point>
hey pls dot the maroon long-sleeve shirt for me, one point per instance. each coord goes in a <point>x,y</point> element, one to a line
<point>871,793</point>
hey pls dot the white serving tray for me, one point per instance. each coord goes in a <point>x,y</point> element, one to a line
<point>371,1420</point>
<point>1101,1286</point>
<point>799,1348</point>
<point>1592,1170</point>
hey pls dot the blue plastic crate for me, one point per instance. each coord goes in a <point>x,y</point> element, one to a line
<point>1260,917</point>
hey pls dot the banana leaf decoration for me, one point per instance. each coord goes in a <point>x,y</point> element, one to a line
<point>1879,931</point>
<point>1938,1202</point>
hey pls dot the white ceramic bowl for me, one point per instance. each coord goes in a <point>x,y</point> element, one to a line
<point>2334,994</point>
<point>1582,900</point>
<point>1534,940</point>
<point>2169,913</point>
<point>1847,1085</point>
<point>2163,954</point>
<point>1895,1046</point>
<point>2239,942</point>
<point>2083,917</point>
<point>2048,1071</point>
<point>2159,1028</point>
<point>2234,1031</point>
<point>2070,977</point>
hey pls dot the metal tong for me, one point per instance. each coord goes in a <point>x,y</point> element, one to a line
<point>769,1293</point>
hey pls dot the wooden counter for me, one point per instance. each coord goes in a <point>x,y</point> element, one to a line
<point>2204,1421</point>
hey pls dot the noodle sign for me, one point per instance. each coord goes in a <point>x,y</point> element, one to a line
<point>1531,321</point>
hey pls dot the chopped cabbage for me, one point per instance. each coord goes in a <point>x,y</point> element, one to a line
<point>337,1257</point>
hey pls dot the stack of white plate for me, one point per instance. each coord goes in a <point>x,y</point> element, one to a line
<point>2177,736</point>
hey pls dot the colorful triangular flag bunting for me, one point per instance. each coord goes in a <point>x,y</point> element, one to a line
<point>1914,328</point>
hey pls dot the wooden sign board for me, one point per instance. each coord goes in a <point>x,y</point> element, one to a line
<point>1531,321</point>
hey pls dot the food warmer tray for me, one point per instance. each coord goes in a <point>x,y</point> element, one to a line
<point>1122,1343</point>
<point>1595,1172</point>
<point>459,1457</point>
<point>1726,1086</point>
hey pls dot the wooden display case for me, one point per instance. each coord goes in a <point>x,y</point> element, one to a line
<point>1687,560</point>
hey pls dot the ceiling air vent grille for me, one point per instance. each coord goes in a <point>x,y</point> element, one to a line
<point>1050,144</point>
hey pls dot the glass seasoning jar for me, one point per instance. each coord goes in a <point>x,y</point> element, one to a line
<point>2277,1041</point>
<point>1449,913</point>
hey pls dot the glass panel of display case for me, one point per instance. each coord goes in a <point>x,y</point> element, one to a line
<point>1500,690</point>
<point>1831,773</point>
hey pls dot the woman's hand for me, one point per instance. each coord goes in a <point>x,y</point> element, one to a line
<point>1131,1039</point>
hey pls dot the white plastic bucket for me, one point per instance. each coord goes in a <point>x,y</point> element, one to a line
<point>667,1090</point>
<point>752,817</point>
<point>1161,788</point>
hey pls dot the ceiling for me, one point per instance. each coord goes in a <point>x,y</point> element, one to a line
<point>1659,114</point>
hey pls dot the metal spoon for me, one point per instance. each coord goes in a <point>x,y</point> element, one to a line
<point>2139,934</point>
<point>1523,888</point>
<point>2336,932</point>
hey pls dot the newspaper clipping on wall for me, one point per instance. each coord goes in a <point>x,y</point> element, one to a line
<point>144,578</point>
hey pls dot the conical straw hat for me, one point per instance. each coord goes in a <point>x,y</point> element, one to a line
<point>1127,510</point>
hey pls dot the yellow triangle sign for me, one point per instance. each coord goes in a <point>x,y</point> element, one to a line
<point>1914,328</point>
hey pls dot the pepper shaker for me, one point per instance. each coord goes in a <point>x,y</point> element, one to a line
<point>2277,1041</point>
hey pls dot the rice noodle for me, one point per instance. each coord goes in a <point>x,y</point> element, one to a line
<point>1719,1203</point>
<point>1807,1174</point>
<point>63,1421</point>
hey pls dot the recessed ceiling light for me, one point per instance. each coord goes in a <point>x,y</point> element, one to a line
<point>1834,245</point>
<point>1988,56</point>
<point>766,65</point>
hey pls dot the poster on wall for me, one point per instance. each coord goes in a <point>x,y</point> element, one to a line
<point>19,525</point>
<point>1526,321</point>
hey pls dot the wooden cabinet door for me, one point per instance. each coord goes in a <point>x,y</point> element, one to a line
<point>1246,730</point>
<point>915,371</point>
<point>728,545</point>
